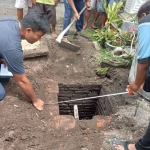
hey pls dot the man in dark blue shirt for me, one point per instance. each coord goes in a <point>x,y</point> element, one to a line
<point>32,28</point>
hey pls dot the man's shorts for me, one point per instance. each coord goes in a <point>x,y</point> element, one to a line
<point>100,6</point>
<point>48,10</point>
<point>23,3</point>
<point>93,4</point>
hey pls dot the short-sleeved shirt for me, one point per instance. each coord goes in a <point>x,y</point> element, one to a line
<point>10,45</point>
<point>49,2</point>
<point>144,40</point>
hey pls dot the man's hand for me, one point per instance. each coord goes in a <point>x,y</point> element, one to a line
<point>28,90</point>
<point>38,104</point>
<point>56,2</point>
<point>76,15</point>
<point>33,2</point>
<point>3,62</point>
<point>135,87</point>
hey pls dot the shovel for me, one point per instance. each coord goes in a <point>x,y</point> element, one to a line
<point>68,45</point>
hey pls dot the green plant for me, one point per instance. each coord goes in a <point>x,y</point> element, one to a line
<point>110,32</point>
<point>112,13</point>
<point>108,35</point>
<point>102,71</point>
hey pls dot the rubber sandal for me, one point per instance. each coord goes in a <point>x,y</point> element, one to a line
<point>66,40</point>
<point>117,141</point>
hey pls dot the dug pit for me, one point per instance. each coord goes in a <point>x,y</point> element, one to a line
<point>85,97</point>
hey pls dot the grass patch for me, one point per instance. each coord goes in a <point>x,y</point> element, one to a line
<point>102,71</point>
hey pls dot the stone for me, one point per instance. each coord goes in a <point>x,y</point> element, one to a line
<point>9,136</point>
<point>37,49</point>
<point>24,137</point>
<point>96,46</point>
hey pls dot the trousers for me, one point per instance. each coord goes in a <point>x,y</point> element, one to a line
<point>79,4</point>
<point>144,142</point>
<point>2,92</point>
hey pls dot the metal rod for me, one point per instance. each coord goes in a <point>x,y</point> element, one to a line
<point>91,97</point>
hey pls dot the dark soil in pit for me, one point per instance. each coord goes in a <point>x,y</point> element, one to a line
<point>22,127</point>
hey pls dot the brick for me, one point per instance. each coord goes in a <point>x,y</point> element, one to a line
<point>64,122</point>
<point>65,92</point>
<point>60,98</point>
<point>90,101</point>
<point>80,92</point>
<point>65,95</point>
<point>102,121</point>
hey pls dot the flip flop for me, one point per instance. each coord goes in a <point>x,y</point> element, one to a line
<point>117,141</point>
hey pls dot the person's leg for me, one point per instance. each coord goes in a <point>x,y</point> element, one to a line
<point>100,9</point>
<point>50,11</point>
<point>20,4</point>
<point>79,4</point>
<point>54,31</point>
<point>87,16</point>
<point>96,15</point>
<point>88,13</point>
<point>67,18</point>
<point>2,92</point>
<point>144,143</point>
<point>103,19</point>
<point>20,13</point>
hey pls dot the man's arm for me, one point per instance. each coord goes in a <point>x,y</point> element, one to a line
<point>27,89</point>
<point>140,76</point>
<point>76,14</point>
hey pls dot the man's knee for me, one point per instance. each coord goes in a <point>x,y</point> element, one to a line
<point>2,92</point>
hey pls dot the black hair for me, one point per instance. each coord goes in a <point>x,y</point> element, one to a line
<point>36,21</point>
<point>145,8</point>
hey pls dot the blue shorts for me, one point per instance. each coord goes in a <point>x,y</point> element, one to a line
<point>100,5</point>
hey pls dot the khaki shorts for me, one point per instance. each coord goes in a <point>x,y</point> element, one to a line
<point>48,10</point>
<point>23,3</point>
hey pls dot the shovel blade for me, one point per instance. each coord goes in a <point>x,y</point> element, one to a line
<point>69,46</point>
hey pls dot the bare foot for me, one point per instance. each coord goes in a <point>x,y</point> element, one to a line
<point>130,147</point>
<point>93,26</point>
<point>39,104</point>
<point>85,26</point>
<point>54,35</point>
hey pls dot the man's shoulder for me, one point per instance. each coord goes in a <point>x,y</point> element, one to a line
<point>8,19</point>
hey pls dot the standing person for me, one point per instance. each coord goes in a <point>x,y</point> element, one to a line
<point>70,7</point>
<point>47,7</point>
<point>94,4</point>
<point>100,9</point>
<point>142,69</point>
<point>31,28</point>
<point>20,5</point>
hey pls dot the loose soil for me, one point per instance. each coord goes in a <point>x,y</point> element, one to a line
<point>22,127</point>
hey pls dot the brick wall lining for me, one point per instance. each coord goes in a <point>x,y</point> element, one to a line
<point>87,108</point>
